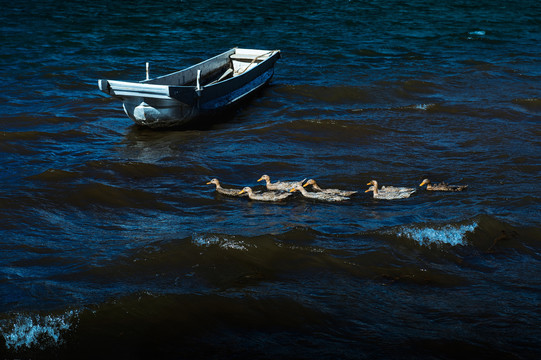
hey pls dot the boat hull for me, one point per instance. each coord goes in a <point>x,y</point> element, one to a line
<point>158,113</point>
<point>160,103</point>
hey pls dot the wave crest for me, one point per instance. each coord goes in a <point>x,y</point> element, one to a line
<point>214,240</point>
<point>28,331</point>
<point>449,234</point>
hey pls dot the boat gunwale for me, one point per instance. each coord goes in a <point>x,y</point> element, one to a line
<point>147,88</point>
<point>272,53</point>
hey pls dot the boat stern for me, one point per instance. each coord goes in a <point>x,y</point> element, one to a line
<point>151,105</point>
<point>104,86</point>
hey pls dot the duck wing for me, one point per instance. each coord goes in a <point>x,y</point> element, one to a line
<point>391,192</point>
<point>269,196</point>
<point>445,187</point>
<point>284,185</point>
<point>322,196</point>
<point>230,192</point>
<point>338,192</point>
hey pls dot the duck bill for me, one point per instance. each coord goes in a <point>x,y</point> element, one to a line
<point>261,178</point>
<point>368,190</point>
<point>241,192</point>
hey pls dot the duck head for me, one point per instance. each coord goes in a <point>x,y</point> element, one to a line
<point>264,177</point>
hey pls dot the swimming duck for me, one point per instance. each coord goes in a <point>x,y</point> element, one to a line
<point>318,195</point>
<point>389,192</point>
<point>339,192</point>
<point>264,196</point>
<point>221,190</point>
<point>442,186</point>
<point>279,185</point>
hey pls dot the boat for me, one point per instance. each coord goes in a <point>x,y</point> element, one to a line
<point>206,88</point>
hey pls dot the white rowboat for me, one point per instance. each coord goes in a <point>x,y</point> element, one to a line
<point>205,88</point>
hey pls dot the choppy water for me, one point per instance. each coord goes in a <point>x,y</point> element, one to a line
<point>112,244</point>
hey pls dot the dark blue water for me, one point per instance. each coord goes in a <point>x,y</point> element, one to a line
<point>112,244</point>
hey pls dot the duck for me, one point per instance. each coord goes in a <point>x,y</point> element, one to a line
<point>339,192</point>
<point>318,195</point>
<point>442,186</point>
<point>279,185</point>
<point>264,196</point>
<point>389,192</point>
<point>221,190</point>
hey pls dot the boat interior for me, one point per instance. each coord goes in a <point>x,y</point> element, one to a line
<point>219,68</point>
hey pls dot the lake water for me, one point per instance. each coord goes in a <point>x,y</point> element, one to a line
<point>112,245</point>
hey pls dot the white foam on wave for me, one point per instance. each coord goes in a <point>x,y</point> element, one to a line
<point>448,234</point>
<point>35,330</point>
<point>423,106</point>
<point>478,32</point>
<point>213,240</point>
<point>415,107</point>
